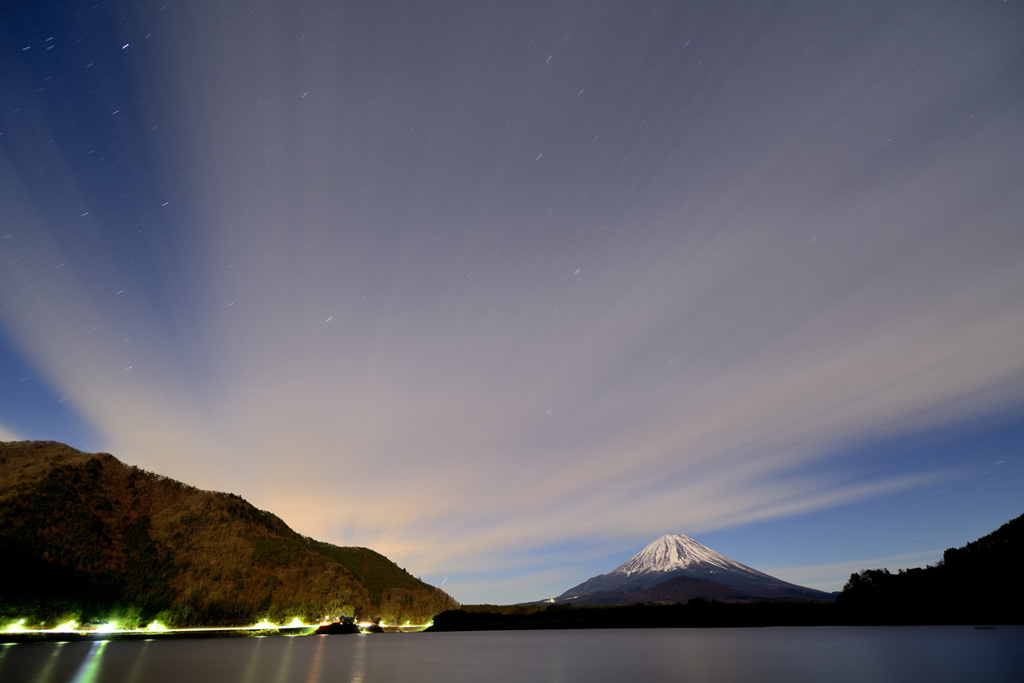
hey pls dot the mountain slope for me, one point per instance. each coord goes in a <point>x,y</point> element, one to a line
<point>88,536</point>
<point>675,556</point>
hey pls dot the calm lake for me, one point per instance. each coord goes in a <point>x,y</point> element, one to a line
<point>862,654</point>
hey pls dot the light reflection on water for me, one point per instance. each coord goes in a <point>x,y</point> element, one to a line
<point>314,667</point>
<point>89,669</point>
<point>252,662</point>
<point>933,654</point>
<point>358,665</point>
<point>284,666</point>
<point>135,675</point>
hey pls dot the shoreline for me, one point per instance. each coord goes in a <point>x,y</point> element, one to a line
<point>53,636</point>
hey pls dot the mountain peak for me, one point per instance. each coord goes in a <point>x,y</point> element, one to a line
<point>670,553</point>
<point>702,573</point>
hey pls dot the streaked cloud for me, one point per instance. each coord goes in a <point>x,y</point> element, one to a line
<point>407,284</point>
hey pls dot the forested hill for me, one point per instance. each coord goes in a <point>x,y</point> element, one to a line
<point>85,536</point>
<point>978,582</point>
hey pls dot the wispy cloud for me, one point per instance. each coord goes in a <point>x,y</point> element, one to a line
<point>487,319</point>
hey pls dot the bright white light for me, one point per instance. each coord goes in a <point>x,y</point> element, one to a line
<point>411,627</point>
<point>156,626</point>
<point>108,627</point>
<point>66,627</point>
<point>18,626</point>
<point>295,622</point>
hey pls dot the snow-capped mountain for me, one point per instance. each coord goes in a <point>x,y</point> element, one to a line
<point>674,556</point>
<point>675,551</point>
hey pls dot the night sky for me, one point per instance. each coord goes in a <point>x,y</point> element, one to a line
<point>507,290</point>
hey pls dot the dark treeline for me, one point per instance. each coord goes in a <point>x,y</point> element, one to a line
<point>714,614</point>
<point>695,613</point>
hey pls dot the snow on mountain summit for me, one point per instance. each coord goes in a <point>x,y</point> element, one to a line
<point>672,552</point>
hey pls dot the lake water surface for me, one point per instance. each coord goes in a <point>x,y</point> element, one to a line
<point>863,654</point>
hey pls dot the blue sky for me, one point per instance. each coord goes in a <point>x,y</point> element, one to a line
<point>506,292</point>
